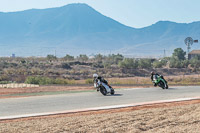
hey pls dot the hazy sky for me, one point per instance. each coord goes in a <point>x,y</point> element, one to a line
<point>134,13</point>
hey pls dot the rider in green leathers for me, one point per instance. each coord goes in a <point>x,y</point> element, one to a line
<point>153,74</point>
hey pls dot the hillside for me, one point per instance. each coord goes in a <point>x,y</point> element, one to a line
<point>79,29</point>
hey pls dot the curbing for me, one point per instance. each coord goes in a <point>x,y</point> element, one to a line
<point>96,108</point>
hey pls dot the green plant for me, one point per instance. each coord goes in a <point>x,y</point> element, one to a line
<point>176,63</point>
<point>82,57</point>
<point>51,57</point>
<point>69,58</point>
<point>5,82</point>
<point>60,81</point>
<point>89,81</point>
<point>65,66</point>
<point>179,54</point>
<point>128,63</point>
<point>39,80</point>
<point>159,63</point>
<point>144,63</point>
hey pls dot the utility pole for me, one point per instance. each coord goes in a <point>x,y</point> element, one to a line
<point>164,53</point>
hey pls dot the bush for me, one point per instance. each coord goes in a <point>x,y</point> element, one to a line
<point>51,57</point>
<point>159,63</point>
<point>65,66</point>
<point>5,82</point>
<point>179,54</point>
<point>82,57</point>
<point>39,80</point>
<point>23,61</point>
<point>99,58</point>
<point>114,59</point>
<point>106,64</point>
<point>128,63</point>
<point>89,81</point>
<point>61,81</point>
<point>4,77</point>
<point>195,62</point>
<point>144,63</point>
<point>69,58</point>
<point>176,63</point>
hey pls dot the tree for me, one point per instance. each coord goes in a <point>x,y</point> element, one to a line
<point>195,62</point>
<point>117,58</point>
<point>69,57</point>
<point>51,57</point>
<point>144,63</point>
<point>65,66</point>
<point>179,54</point>
<point>83,57</point>
<point>99,58</point>
<point>128,63</point>
<point>176,63</point>
<point>159,63</point>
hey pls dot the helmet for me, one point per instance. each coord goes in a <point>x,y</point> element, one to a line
<point>152,72</point>
<point>95,75</point>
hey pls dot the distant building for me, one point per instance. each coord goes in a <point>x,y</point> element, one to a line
<point>193,53</point>
<point>13,56</point>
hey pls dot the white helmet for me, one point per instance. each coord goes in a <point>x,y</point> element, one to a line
<point>95,75</point>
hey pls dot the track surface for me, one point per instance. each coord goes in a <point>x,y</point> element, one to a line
<point>53,103</point>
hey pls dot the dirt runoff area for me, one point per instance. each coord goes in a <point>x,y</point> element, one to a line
<point>176,117</point>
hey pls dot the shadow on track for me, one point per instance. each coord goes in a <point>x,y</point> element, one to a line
<point>115,95</point>
<point>172,88</point>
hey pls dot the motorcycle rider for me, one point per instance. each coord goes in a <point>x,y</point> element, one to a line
<point>153,74</point>
<point>101,79</point>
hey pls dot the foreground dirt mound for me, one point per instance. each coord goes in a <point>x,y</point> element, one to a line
<point>168,117</point>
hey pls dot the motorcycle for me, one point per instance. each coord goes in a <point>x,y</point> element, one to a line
<point>158,80</point>
<point>104,88</point>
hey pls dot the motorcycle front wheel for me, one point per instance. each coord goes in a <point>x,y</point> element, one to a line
<point>162,85</point>
<point>103,90</point>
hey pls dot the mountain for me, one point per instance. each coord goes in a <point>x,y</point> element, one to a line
<point>79,29</point>
<point>163,35</point>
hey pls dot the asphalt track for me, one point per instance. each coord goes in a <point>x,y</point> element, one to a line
<point>77,101</point>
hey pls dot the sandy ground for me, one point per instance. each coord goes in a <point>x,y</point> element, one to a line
<point>178,117</point>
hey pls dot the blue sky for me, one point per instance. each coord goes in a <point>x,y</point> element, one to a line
<point>134,13</point>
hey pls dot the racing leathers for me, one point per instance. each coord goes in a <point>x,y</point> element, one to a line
<point>156,76</point>
<point>101,79</point>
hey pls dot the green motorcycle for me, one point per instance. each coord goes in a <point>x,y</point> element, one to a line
<point>158,80</point>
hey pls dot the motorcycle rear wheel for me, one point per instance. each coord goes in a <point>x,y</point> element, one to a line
<point>112,92</point>
<point>166,87</point>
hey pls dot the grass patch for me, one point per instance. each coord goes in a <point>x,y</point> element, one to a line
<point>173,80</point>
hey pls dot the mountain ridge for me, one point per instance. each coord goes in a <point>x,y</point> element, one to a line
<point>78,26</point>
